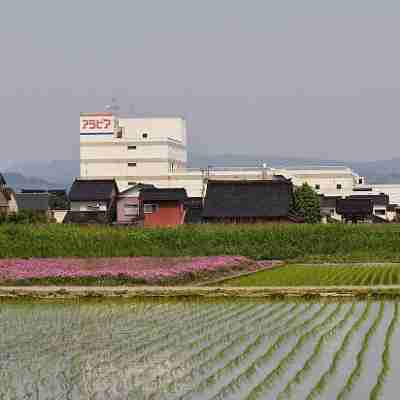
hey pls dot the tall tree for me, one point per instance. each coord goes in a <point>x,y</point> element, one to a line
<point>306,204</point>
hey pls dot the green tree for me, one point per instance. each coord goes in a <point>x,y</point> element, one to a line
<point>306,204</point>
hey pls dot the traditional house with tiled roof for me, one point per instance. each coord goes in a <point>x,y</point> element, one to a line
<point>248,201</point>
<point>92,201</point>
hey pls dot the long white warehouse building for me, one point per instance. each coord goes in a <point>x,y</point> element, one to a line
<point>154,150</point>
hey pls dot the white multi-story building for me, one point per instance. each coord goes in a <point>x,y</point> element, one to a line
<point>154,150</point>
<point>131,149</point>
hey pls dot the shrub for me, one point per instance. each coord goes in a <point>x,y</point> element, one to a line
<point>25,217</point>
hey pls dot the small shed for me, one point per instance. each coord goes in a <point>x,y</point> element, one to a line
<point>128,211</point>
<point>162,207</point>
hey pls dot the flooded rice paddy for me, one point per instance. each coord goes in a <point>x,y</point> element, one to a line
<point>196,349</point>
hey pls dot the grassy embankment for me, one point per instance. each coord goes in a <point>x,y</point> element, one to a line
<point>292,243</point>
<point>301,243</point>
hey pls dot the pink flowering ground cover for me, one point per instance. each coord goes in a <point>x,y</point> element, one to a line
<point>134,270</point>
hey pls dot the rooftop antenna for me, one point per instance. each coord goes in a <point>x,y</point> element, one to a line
<point>113,107</point>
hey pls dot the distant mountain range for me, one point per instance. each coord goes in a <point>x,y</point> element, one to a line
<point>61,173</point>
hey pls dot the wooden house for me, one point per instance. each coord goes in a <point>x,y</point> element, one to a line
<point>257,201</point>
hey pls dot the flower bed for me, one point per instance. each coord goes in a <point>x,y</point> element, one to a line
<point>117,271</point>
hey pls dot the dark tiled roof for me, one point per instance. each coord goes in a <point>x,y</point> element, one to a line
<point>354,206</point>
<point>234,199</point>
<point>93,190</point>
<point>33,201</point>
<point>381,199</point>
<point>170,194</point>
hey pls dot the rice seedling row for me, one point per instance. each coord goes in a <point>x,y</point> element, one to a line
<point>312,360</point>
<point>289,360</point>
<point>200,350</point>
<point>228,370</point>
<point>321,275</point>
<point>377,389</point>
<point>260,360</point>
<point>356,372</point>
<point>215,343</point>
<point>209,358</point>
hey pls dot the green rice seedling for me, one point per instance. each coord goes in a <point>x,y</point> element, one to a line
<point>377,389</point>
<point>320,386</point>
<point>200,336</point>
<point>300,375</point>
<point>267,382</point>
<point>271,350</point>
<point>251,349</point>
<point>212,354</point>
<point>384,278</point>
<point>395,276</point>
<point>360,356</point>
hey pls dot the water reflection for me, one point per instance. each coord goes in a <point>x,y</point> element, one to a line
<point>186,349</point>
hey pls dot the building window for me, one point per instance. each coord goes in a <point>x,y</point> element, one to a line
<point>317,187</point>
<point>131,209</point>
<point>360,181</point>
<point>131,147</point>
<point>338,186</point>
<point>131,183</point>
<point>145,135</point>
<point>131,164</point>
<point>93,206</point>
<point>150,208</point>
<point>380,212</point>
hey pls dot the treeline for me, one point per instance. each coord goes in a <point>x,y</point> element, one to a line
<point>305,242</point>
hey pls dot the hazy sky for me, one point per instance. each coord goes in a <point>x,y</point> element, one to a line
<point>314,78</point>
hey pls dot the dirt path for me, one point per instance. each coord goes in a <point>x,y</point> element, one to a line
<point>71,292</point>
